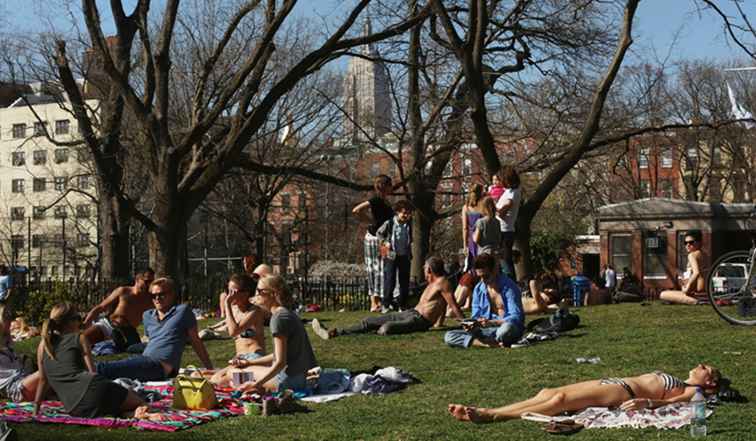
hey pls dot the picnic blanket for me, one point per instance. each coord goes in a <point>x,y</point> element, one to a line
<point>671,416</point>
<point>173,420</point>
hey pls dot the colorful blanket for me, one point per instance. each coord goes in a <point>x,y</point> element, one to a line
<point>172,420</point>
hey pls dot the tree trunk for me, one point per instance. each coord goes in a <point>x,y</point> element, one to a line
<point>167,236</point>
<point>422,224</point>
<point>523,266</point>
<point>114,240</point>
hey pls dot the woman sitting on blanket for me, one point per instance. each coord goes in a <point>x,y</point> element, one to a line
<point>292,353</point>
<point>642,392</point>
<point>65,363</point>
<point>244,321</point>
<point>17,382</point>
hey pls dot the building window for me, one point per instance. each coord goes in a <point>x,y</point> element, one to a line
<point>60,183</point>
<point>19,131</point>
<point>692,153</point>
<point>18,213</point>
<point>38,212</point>
<point>645,189</point>
<point>375,169</point>
<point>39,157</point>
<point>303,201</point>
<point>18,159</point>
<point>17,186</point>
<point>285,201</point>
<point>38,240</point>
<point>83,210</point>
<point>61,156</point>
<point>40,128</point>
<point>643,157</point>
<point>39,184</point>
<point>60,212</point>
<point>17,241</point>
<point>666,157</point>
<point>62,127</point>
<point>467,167</point>
<point>621,255</point>
<point>448,170</point>
<point>84,182</point>
<point>82,240</point>
<point>665,189</point>
<point>654,255</point>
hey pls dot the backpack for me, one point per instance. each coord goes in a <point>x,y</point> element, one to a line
<point>560,321</point>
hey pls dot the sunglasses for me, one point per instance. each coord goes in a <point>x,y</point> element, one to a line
<point>158,295</point>
<point>264,290</point>
<point>690,242</point>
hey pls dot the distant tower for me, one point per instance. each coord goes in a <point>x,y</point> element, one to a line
<point>366,95</point>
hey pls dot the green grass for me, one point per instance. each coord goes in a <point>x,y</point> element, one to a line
<point>630,339</point>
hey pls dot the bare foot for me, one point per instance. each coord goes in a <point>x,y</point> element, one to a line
<point>459,412</point>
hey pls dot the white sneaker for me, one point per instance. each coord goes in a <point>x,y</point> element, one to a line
<point>320,330</point>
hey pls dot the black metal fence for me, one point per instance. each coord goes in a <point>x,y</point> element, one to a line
<point>34,298</point>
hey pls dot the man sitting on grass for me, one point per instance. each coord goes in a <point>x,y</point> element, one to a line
<point>496,309</point>
<point>430,308</point>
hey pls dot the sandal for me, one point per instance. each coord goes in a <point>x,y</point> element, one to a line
<point>566,427</point>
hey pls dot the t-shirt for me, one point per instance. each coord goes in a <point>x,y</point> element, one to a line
<point>509,218</point>
<point>490,234</point>
<point>6,283</point>
<point>381,212</point>
<point>299,355</point>
<point>610,277</point>
<point>168,336</point>
<point>67,373</point>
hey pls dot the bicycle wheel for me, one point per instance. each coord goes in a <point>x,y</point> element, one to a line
<point>730,296</point>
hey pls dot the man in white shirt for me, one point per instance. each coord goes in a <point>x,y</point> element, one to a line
<point>610,278</point>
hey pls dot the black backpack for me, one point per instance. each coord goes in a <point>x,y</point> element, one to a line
<point>560,321</point>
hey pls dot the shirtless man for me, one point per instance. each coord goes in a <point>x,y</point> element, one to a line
<point>693,289</point>
<point>541,300</point>
<point>429,309</point>
<point>245,322</point>
<point>127,304</point>
<point>496,309</point>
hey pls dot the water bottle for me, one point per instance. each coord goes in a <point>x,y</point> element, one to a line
<point>698,415</point>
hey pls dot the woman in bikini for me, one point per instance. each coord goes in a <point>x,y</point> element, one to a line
<point>245,322</point>
<point>646,391</point>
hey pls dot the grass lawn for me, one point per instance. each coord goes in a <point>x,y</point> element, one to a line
<point>630,339</point>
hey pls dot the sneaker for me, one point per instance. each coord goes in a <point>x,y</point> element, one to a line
<point>320,330</point>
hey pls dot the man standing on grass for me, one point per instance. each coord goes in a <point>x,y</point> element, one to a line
<point>430,308</point>
<point>496,307</point>
<point>168,328</point>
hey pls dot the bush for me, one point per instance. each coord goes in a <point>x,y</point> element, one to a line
<point>545,249</point>
<point>39,302</point>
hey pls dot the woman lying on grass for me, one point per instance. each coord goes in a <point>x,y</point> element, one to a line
<point>642,392</point>
<point>292,353</point>
<point>65,363</point>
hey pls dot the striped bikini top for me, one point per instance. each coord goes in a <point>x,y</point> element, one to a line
<point>670,382</point>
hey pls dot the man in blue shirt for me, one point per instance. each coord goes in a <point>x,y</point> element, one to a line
<point>168,327</point>
<point>6,284</point>
<point>496,309</point>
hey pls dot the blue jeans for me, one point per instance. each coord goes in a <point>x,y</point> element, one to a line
<point>391,267</point>
<point>138,367</point>
<point>505,334</point>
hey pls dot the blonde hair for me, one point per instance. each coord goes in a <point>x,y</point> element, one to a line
<point>278,285</point>
<point>165,283</point>
<point>60,315</point>
<point>489,207</point>
<point>475,195</point>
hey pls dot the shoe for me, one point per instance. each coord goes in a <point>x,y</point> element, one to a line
<point>320,330</point>
<point>385,310</point>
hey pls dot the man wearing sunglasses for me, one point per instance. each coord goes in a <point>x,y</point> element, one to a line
<point>168,328</point>
<point>693,290</point>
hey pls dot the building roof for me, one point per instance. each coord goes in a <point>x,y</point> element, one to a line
<point>661,208</point>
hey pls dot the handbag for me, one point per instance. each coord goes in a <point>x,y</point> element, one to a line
<point>193,393</point>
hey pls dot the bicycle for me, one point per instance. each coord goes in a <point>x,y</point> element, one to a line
<point>734,301</point>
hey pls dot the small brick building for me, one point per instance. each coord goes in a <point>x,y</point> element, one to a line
<point>647,236</point>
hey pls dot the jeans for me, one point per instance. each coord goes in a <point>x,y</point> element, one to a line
<point>506,334</point>
<point>390,324</point>
<point>138,367</point>
<point>400,264</point>
<point>507,265</point>
<point>294,382</point>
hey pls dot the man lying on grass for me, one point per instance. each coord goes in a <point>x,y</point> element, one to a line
<point>429,310</point>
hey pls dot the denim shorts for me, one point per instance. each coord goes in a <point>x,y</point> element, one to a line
<point>250,356</point>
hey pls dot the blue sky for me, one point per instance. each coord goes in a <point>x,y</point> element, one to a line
<point>659,21</point>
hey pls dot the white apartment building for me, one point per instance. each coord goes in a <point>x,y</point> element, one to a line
<point>48,222</point>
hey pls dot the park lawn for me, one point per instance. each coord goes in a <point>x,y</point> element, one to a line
<point>630,339</point>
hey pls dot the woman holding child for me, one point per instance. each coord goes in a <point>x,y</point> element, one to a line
<point>292,353</point>
<point>65,364</point>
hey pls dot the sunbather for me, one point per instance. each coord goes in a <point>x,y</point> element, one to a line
<point>65,364</point>
<point>292,353</point>
<point>646,391</point>
<point>17,382</point>
<point>244,321</point>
